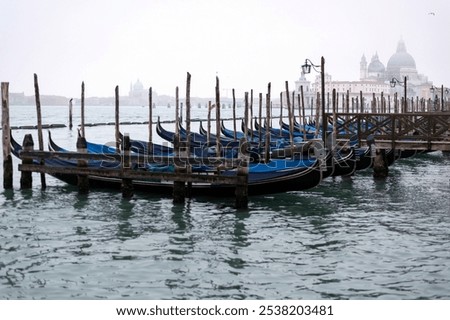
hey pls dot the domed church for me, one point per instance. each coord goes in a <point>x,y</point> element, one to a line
<point>400,65</point>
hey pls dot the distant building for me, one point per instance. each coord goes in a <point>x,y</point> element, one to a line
<point>375,78</point>
<point>137,94</point>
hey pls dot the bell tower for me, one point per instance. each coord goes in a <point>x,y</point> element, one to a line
<point>363,68</point>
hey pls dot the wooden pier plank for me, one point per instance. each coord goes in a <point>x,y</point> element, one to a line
<point>131,174</point>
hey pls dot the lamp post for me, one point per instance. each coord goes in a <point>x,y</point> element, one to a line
<point>442,89</point>
<point>306,68</point>
<point>394,81</point>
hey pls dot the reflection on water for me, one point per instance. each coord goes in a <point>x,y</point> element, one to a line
<point>349,238</point>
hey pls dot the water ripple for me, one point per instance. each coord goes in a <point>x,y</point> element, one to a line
<point>349,238</point>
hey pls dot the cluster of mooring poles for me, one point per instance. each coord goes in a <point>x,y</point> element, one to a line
<point>387,126</point>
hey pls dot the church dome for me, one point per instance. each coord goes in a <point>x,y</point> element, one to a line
<point>401,59</point>
<point>138,86</point>
<point>375,65</point>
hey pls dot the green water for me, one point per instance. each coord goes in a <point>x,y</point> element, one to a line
<point>349,238</point>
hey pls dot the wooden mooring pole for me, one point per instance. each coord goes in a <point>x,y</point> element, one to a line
<point>116,119</point>
<point>26,178</point>
<point>179,187</point>
<point>70,114</point>
<point>39,125</point>
<point>83,133</point>
<point>380,164</point>
<point>234,116</point>
<point>83,180</point>
<point>6,139</point>
<point>127,184</point>
<point>268,125</point>
<point>150,124</point>
<point>218,146</point>
<point>188,131</point>
<point>242,177</point>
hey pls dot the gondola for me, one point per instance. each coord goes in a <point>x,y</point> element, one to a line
<point>273,177</point>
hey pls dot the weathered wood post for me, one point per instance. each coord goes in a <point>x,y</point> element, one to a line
<point>242,176</point>
<point>26,178</point>
<point>218,146</point>
<point>374,103</point>
<point>188,111</point>
<point>83,180</point>
<point>83,133</point>
<point>127,184</point>
<point>361,98</point>
<point>380,164</point>
<point>347,102</point>
<point>281,114</point>
<point>179,187</point>
<point>234,115</point>
<point>150,122</point>
<point>251,114</point>
<point>316,121</point>
<point>208,125</point>
<point>260,120</point>
<point>177,114</point>
<point>268,125</point>
<point>188,131</point>
<point>357,105</point>
<point>246,115</point>
<point>116,119</point>
<point>291,123</point>
<point>39,125</point>
<point>6,139</point>
<point>334,109</point>
<point>70,114</point>
<point>303,112</point>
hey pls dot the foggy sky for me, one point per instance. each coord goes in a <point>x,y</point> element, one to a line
<point>246,43</point>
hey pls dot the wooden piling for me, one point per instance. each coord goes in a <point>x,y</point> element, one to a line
<point>116,118</point>
<point>234,115</point>
<point>246,115</point>
<point>127,184</point>
<point>303,112</point>
<point>241,191</point>
<point>208,125</point>
<point>316,121</point>
<point>70,114</point>
<point>83,180</point>
<point>150,121</point>
<point>380,164</point>
<point>83,133</point>
<point>26,178</point>
<point>361,110</point>
<point>188,131</point>
<point>179,187</point>
<point>281,114</point>
<point>260,120</point>
<point>218,146</point>
<point>268,125</point>
<point>188,110</point>
<point>291,123</point>
<point>251,114</point>
<point>334,109</point>
<point>39,125</point>
<point>6,139</point>
<point>177,114</point>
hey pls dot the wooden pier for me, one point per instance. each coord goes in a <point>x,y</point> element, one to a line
<point>182,178</point>
<point>414,128</point>
<point>421,131</point>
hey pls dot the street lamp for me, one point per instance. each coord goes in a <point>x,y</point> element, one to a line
<point>442,89</point>
<point>395,81</point>
<point>306,68</point>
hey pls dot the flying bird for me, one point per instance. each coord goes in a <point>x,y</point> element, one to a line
<point>431,13</point>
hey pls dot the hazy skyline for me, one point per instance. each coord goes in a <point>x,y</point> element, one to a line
<point>246,43</point>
